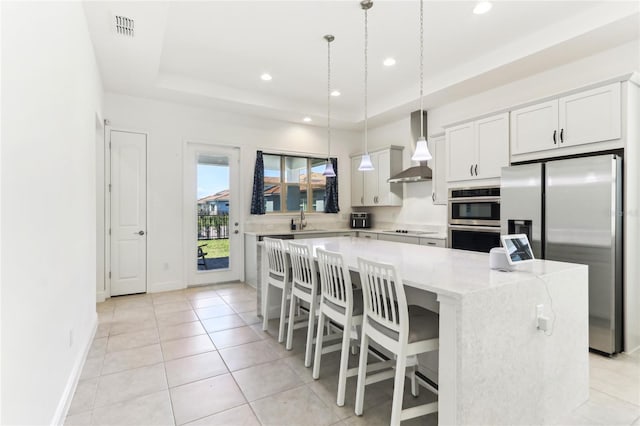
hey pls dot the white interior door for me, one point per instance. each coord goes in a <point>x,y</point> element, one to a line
<point>212,215</point>
<point>128,212</point>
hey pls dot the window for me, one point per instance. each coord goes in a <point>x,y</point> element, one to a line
<point>293,183</point>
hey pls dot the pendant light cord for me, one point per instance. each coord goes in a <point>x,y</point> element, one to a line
<point>366,75</point>
<point>421,68</point>
<point>328,99</point>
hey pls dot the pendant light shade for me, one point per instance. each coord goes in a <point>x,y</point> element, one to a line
<point>365,162</point>
<point>422,149</point>
<point>328,168</point>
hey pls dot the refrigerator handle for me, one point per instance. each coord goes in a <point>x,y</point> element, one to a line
<point>554,136</point>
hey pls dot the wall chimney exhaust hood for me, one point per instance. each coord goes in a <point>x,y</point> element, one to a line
<point>416,173</point>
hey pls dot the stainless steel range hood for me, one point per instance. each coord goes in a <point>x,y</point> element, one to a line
<point>416,173</point>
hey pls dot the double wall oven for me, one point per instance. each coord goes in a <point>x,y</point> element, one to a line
<point>474,218</point>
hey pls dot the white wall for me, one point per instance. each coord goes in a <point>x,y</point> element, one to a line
<point>417,207</point>
<point>169,125</point>
<point>51,92</point>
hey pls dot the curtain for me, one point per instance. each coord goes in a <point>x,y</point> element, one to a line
<point>257,197</point>
<point>331,192</point>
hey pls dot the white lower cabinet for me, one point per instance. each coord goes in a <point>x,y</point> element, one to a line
<point>369,235</point>
<point>399,238</point>
<point>433,242</point>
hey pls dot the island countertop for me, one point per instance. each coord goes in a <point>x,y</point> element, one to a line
<point>443,271</point>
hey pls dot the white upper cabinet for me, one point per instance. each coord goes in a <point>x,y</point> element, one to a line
<point>371,188</point>
<point>582,118</point>
<point>590,116</point>
<point>439,168</point>
<point>461,152</point>
<point>478,149</point>
<point>357,183</point>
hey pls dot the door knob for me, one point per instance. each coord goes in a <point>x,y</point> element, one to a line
<point>139,232</point>
<point>236,231</point>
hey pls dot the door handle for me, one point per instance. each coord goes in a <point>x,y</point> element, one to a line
<point>471,170</point>
<point>433,196</point>
<point>139,233</point>
<point>554,136</point>
<point>476,170</point>
<point>561,135</point>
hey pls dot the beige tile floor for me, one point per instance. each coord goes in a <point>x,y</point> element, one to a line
<point>199,357</point>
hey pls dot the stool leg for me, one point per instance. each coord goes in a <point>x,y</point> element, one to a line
<point>344,362</point>
<point>291,321</point>
<point>318,354</point>
<point>265,314</point>
<point>283,314</point>
<point>362,371</point>
<point>398,389</point>
<point>415,388</point>
<point>312,322</point>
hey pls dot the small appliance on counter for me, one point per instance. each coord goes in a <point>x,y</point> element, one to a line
<point>360,220</point>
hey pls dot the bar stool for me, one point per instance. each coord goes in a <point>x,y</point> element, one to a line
<point>342,305</point>
<point>305,288</point>
<point>404,331</point>
<point>279,276</point>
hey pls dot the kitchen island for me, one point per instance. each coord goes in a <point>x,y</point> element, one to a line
<point>495,366</point>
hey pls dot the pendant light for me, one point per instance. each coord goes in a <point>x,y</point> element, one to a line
<point>328,169</point>
<point>422,150</point>
<point>365,163</point>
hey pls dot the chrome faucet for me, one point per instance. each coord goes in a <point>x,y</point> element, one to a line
<point>303,222</point>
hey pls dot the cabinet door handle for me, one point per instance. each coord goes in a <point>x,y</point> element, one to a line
<point>433,196</point>
<point>476,170</point>
<point>561,135</point>
<point>471,170</point>
<point>361,200</point>
<point>554,136</point>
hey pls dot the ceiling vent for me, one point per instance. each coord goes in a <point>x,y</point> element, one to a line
<point>124,25</point>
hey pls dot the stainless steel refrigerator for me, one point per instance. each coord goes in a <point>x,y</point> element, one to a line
<point>572,212</point>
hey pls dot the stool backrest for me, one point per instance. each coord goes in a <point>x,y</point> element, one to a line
<point>384,298</point>
<point>277,259</point>
<point>303,267</point>
<point>335,279</point>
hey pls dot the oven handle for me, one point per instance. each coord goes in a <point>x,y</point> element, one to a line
<point>492,229</point>
<point>474,199</point>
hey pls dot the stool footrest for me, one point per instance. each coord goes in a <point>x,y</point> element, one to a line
<point>421,410</point>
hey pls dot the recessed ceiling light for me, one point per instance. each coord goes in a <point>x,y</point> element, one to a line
<point>389,62</point>
<point>306,119</point>
<point>335,93</point>
<point>266,77</point>
<point>482,7</point>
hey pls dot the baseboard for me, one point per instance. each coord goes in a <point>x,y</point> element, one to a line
<point>74,377</point>
<point>100,296</point>
<point>165,286</point>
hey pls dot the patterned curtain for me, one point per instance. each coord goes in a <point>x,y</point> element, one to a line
<point>331,192</point>
<point>257,198</point>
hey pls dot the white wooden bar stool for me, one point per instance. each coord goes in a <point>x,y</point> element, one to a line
<point>279,275</point>
<point>304,287</point>
<point>404,331</point>
<point>342,305</point>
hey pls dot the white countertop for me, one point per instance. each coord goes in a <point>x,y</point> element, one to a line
<point>435,235</point>
<point>439,270</point>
